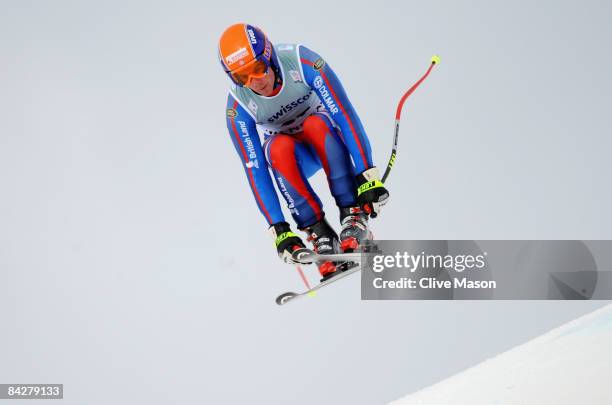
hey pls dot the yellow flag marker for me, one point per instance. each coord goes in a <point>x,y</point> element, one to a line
<point>435,59</point>
<point>312,294</point>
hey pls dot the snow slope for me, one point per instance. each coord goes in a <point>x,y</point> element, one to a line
<point>569,365</point>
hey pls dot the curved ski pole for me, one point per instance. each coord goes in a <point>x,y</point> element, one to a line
<point>398,113</point>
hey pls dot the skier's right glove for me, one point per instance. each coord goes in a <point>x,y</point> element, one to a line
<point>371,193</point>
<point>286,241</point>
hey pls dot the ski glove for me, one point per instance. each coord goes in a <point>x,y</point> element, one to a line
<point>286,241</point>
<point>371,193</point>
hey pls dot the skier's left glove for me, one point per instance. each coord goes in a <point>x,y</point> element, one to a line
<point>371,193</point>
<point>286,241</point>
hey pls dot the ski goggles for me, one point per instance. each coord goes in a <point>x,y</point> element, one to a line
<point>255,69</point>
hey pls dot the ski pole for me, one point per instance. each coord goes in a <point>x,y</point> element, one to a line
<point>304,279</point>
<point>398,113</point>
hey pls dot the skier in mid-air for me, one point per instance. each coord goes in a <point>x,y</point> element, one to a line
<point>292,97</point>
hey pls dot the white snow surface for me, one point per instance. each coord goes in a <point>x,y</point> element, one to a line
<point>568,365</point>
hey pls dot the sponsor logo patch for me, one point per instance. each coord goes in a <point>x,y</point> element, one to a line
<point>286,108</point>
<point>236,56</point>
<point>252,36</point>
<point>231,113</point>
<point>250,149</point>
<point>290,200</point>
<point>319,63</point>
<point>325,95</point>
<point>268,50</point>
<point>295,75</point>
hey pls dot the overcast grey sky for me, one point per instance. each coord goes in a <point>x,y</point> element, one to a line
<point>134,265</point>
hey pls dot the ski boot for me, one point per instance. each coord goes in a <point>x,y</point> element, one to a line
<point>324,241</point>
<point>355,231</point>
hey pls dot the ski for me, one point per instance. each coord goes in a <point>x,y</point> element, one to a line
<point>307,256</point>
<point>347,264</point>
<point>351,267</point>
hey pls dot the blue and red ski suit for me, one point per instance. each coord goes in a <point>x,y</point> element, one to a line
<point>329,137</point>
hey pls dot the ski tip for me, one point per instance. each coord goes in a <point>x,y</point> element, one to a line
<point>435,59</point>
<point>286,297</point>
<point>303,256</point>
<point>312,294</point>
